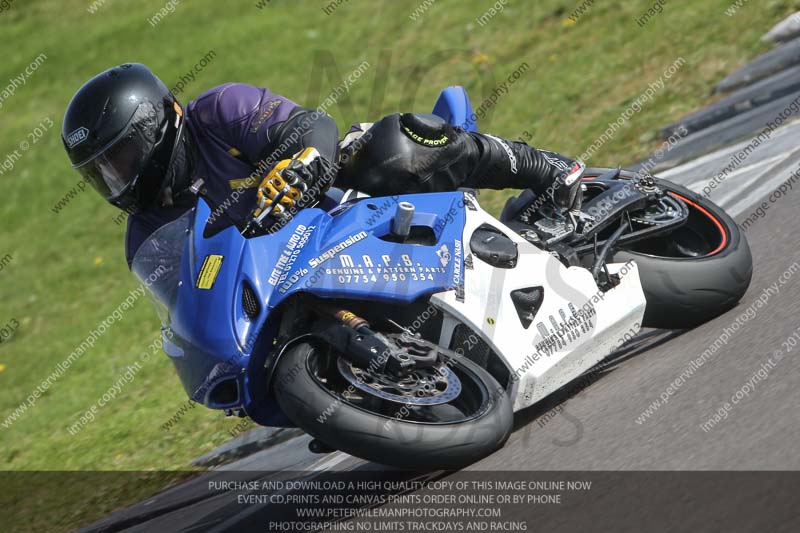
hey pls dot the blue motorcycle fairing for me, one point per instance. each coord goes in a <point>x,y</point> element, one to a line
<point>344,256</point>
<point>454,107</point>
<point>199,289</point>
<point>339,255</point>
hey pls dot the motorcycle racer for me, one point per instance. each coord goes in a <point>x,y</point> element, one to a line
<point>241,146</point>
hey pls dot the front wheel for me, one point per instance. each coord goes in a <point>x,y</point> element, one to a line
<point>442,417</point>
<point>696,272</point>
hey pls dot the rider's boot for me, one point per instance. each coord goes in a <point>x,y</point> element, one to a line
<point>567,196</point>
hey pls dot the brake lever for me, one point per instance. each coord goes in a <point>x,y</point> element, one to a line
<point>255,220</point>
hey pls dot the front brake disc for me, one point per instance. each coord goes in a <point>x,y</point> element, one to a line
<point>434,385</point>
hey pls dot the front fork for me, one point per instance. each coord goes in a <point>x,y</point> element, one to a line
<point>353,338</point>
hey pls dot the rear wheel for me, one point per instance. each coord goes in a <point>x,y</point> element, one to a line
<point>694,273</point>
<point>443,417</point>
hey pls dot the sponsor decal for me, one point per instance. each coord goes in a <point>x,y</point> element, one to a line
<point>419,139</point>
<point>331,252</point>
<point>444,255</point>
<point>77,137</point>
<point>458,276</point>
<point>294,278</point>
<point>368,269</point>
<point>209,271</point>
<point>289,254</point>
<point>571,327</point>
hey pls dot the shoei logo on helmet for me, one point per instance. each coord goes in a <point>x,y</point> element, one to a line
<point>77,137</point>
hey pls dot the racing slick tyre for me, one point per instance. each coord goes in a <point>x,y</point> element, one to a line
<point>445,423</point>
<point>695,273</point>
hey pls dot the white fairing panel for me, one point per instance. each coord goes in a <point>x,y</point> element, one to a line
<point>576,326</point>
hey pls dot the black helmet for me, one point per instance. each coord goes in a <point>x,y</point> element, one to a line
<point>123,131</point>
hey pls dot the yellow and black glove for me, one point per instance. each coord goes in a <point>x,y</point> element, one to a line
<point>307,172</point>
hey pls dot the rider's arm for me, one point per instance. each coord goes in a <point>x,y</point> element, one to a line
<point>508,164</point>
<point>261,127</point>
<point>404,153</point>
<point>304,128</point>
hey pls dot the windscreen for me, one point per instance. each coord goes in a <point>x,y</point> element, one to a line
<point>157,264</point>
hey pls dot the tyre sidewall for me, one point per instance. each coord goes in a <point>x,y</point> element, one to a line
<point>398,443</point>
<point>683,293</point>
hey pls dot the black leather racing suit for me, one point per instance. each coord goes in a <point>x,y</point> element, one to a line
<point>410,153</point>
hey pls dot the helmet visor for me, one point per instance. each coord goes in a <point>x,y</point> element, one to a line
<point>115,168</point>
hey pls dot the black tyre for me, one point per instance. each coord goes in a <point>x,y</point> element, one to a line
<point>697,272</point>
<point>314,391</point>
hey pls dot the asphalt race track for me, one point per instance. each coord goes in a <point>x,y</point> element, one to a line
<point>602,427</point>
<point>598,429</point>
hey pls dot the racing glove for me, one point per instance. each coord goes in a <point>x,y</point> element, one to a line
<point>307,174</point>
